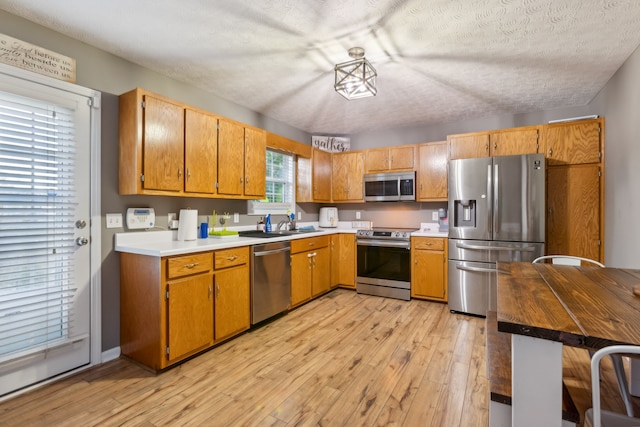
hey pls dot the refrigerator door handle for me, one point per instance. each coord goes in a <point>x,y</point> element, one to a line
<point>496,201</point>
<point>490,224</point>
<point>476,269</point>
<point>496,248</point>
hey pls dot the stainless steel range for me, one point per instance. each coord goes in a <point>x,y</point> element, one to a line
<point>384,262</point>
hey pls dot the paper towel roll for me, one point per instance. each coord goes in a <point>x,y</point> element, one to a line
<point>188,224</point>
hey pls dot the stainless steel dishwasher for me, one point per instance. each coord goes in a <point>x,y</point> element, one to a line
<point>270,280</point>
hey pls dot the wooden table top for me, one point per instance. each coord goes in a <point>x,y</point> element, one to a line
<point>587,307</point>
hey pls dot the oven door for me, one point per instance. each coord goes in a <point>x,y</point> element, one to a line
<point>382,262</point>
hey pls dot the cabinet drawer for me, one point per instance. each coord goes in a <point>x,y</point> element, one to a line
<point>429,243</point>
<point>231,257</point>
<point>189,264</point>
<point>308,244</point>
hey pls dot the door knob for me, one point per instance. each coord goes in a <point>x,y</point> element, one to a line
<point>81,241</point>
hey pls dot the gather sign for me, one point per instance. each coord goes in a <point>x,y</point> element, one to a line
<point>34,58</point>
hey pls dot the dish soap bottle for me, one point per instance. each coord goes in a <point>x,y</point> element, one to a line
<point>267,224</point>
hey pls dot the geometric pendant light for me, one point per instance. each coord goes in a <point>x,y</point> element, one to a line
<point>357,78</point>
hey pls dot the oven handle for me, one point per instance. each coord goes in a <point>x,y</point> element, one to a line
<point>496,248</point>
<point>476,269</point>
<point>384,243</point>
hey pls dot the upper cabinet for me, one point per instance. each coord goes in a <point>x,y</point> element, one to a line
<point>574,143</point>
<point>505,142</point>
<point>200,151</point>
<point>509,142</point>
<point>320,176</point>
<point>151,145</point>
<point>241,160</point>
<point>170,148</point>
<point>346,177</point>
<point>400,158</point>
<point>431,176</point>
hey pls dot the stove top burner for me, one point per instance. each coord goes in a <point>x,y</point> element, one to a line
<point>386,233</point>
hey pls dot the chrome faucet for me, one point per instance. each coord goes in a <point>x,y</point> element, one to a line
<point>283,222</point>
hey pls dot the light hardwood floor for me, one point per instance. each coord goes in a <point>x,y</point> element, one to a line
<point>342,360</point>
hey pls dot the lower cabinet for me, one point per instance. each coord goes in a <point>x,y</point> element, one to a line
<point>232,292</point>
<point>310,268</point>
<point>174,307</point>
<point>429,268</point>
<point>343,260</point>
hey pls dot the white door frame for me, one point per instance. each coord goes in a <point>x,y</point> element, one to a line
<point>95,211</point>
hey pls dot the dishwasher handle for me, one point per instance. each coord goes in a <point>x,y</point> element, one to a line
<point>271,252</point>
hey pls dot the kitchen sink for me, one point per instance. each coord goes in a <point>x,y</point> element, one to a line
<point>273,234</point>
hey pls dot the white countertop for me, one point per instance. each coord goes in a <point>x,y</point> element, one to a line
<point>164,243</point>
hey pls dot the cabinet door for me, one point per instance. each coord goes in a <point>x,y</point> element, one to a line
<point>232,305</point>
<point>255,152</point>
<point>347,171</point>
<point>432,171</point>
<point>427,276</point>
<point>201,152</point>
<point>573,211</point>
<point>401,158</point>
<point>376,160</point>
<point>230,158</point>
<point>303,180</point>
<point>573,143</point>
<point>163,158</point>
<point>301,265</point>
<point>321,175</point>
<point>346,260</point>
<point>190,315</point>
<point>468,146</point>
<point>321,264</point>
<point>516,141</point>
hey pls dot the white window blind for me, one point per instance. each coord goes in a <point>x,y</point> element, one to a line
<point>37,211</point>
<point>280,191</point>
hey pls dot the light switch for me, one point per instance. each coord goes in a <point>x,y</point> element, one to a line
<point>236,217</point>
<point>114,220</point>
<point>434,216</point>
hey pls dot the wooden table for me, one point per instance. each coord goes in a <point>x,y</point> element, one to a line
<point>546,306</point>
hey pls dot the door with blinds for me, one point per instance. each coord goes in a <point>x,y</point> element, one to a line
<point>45,299</point>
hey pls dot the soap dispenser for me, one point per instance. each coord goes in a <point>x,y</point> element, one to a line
<point>267,223</point>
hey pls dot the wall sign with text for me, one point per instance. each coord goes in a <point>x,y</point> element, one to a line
<point>332,144</point>
<point>33,58</point>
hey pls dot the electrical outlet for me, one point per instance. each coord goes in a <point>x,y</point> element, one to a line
<point>172,217</point>
<point>434,216</point>
<point>114,220</point>
<point>299,216</point>
<point>357,214</point>
<point>236,217</point>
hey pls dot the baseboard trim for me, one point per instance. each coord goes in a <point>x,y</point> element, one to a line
<point>111,354</point>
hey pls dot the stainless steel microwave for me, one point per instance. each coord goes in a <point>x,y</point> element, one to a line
<point>388,187</point>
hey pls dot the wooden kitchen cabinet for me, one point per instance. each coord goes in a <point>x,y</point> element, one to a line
<point>151,144</point>
<point>232,292</point>
<point>321,176</point>
<point>347,172</point>
<point>469,145</point>
<point>575,188</point>
<point>174,307</point>
<point>574,143</point>
<point>242,154</point>
<point>503,142</point>
<point>390,159</point>
<point>201,152</point>
<point>511,142</point>
<point>343,260</point>
<point>429,268</point>
<point>172,149</point>
<point>189,315</point>
<point>310,268</point>
<point>161,299</point>
<point>431,176</point>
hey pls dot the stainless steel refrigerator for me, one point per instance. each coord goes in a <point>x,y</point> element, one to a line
<point>496,213</point>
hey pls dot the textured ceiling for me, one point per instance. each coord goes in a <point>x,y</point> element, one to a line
<point>437,60</point>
